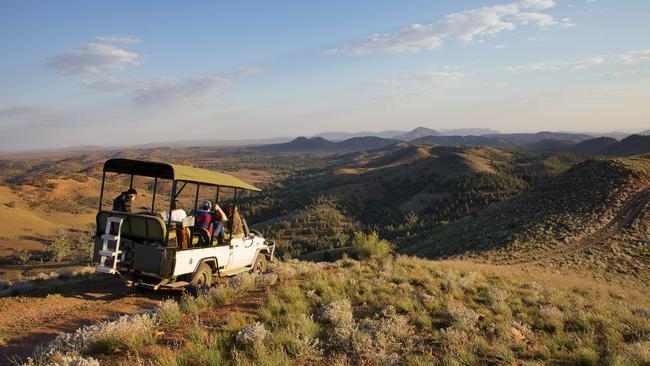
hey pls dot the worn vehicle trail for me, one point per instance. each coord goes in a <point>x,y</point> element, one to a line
<point>37,317</point>
<point>632,208</point>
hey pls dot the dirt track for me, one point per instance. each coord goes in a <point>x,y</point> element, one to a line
<point>625,216</point>
<point>38,317</point>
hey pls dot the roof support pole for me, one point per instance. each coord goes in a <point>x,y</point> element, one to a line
<point>131,182</point>
<point>232,215</point>
<point>216,198</point>
<point>101,192</point>
<point>196,198</point>
<point>180,190</point>
<point>172,196</point>
<point>153,200</point>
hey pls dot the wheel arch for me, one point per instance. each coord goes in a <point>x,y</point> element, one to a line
<point>210,261</point>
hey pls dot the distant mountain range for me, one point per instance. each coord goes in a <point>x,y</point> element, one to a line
<point>407,135</point>
<point>631,145</point>
<point>322,145</point>
<point>541,142</point>
<point>338,141</point>
<point>339,136</point>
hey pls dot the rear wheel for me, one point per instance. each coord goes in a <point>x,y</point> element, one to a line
<point>202,279</point>
<point>259,266</point>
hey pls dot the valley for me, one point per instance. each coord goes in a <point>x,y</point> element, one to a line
<point>574,223</point>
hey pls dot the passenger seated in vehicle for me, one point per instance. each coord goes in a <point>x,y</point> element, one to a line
<point>211,219</point>
<point>124,202</point>
<point>178,214</point>
<point>237,226</point>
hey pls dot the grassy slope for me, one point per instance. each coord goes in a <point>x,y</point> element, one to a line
<point>407,311</point>
<point>559,217</point>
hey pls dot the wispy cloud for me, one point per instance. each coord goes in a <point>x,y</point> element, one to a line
<point>558,65</point>
<point>423,82</point>
<point>246,71</point>
<point>464,26</point>
<point>171,90</point>
<point>635,57</point>
<point>628,58</point>
<point>118,39</point>
<point>96,57</point>
<point>38,114</point>
<point>165,90</point>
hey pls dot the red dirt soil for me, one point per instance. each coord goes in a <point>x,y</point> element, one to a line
<point>38,317</point>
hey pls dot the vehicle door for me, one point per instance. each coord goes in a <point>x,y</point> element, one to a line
<point>243,252</point>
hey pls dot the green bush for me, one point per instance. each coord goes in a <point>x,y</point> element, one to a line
<point>369,246</point>
<point>59,249</point>
<point>168,312</point>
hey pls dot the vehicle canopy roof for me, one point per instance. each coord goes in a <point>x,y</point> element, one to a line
<point>175,172</point>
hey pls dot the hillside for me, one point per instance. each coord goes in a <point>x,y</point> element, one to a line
<point>631,145</point>
<point>321,225</point>
<point>321,145</point>
<point>480,141</point>
<point>406,188</point>
<point>549,145</point>
<point>593,146</point>
<point>527,138</point>
<point>592,216</point>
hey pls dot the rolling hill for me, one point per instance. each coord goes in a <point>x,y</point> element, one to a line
<point>631,145</point>
<point>549,145</point>
<point>593,146</point>
<point>527,138</point>
<point>321,145</point>
<point>409,187</point>
<point>594,215</point>
<point>481,141</point>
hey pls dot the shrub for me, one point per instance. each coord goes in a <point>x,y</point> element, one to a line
<point>23,256</point>
<point>552,318</point>
<point>338,315</point>
<point>130,331</point>
<point>194,305</point>
<point>586,357</point>
<point>134,333</point>
<point>243,281</point>
<point>252,335</point>
<point>461,316</point>
<point>220,295</point>
<point>369,246</point>
<point>168,312</point>
<point>59,249</point>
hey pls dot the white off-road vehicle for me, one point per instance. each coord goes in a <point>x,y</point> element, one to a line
<point>148,251</point>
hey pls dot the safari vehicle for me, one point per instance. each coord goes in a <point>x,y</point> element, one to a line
<point>146,251</point>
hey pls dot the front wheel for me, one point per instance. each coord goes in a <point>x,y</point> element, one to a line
<point>259,266</point>
<point>202,280</point>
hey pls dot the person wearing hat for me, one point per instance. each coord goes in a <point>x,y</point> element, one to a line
<point>211,218</point>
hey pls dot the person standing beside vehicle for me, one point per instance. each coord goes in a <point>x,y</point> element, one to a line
<point>124,202</point>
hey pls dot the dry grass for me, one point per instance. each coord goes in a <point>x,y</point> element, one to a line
<point>401,311</point>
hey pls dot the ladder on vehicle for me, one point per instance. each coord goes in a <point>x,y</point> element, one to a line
<point>107,252</point>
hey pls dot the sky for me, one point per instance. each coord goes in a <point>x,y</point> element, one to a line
<point>132,72</point>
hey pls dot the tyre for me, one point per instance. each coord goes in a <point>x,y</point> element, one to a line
<point>255,232</point>
<point>259,266</point>
<point>202,280</point>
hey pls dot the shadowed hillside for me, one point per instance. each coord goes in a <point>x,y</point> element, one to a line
<point>592,216</point>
